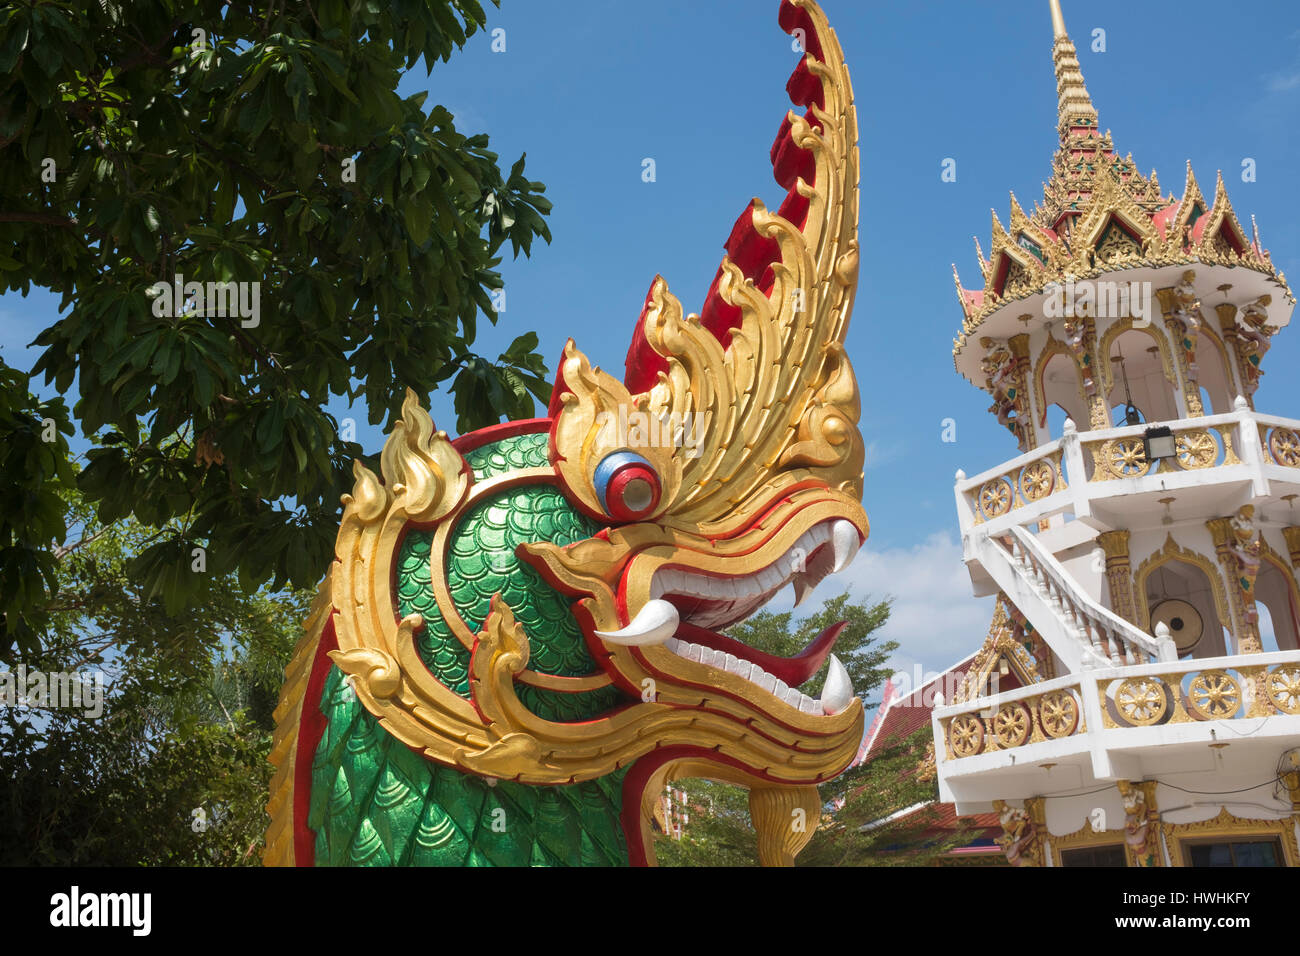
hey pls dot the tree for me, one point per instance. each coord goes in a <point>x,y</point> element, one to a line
<point>34,471</point>
<point>718,831</point>
<point>167,764</point>
<point>244,219</point>
<point>860,828</point>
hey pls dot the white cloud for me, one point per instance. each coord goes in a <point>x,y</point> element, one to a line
<point>1281,82</point>
<point>878,454</point>
<point>935,619</point>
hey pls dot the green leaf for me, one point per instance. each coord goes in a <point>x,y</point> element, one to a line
<point>13,44</point>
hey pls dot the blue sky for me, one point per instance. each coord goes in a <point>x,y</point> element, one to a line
<point>589,89</point>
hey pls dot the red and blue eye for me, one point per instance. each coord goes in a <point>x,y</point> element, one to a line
<point>628,486</point>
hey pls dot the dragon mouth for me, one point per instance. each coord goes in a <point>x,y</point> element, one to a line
<point>688,610</point>
<point>779,676</point>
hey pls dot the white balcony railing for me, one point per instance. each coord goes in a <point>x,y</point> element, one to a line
<point>1069,474</point>
<point>1098,713</point>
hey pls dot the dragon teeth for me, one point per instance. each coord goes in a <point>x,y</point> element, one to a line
<point>837,693</point>
<point>653,624</point>
<point>750,671</point>
<point>732,599</point>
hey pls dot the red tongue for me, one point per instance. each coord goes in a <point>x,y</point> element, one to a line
<point>793,670</point>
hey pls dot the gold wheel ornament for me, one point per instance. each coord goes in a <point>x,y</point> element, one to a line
<point>1142,700</point>
<point>1059,714</point>
<point>1196,450</point>
<point>1011,725</point>
<point>1127,458</point>
<point>1283,686</point>
<point>1037,480</point>
<point>1214,694</point>
<point>1284,444</point>
<point>995,498</point>
<point>966,735</point>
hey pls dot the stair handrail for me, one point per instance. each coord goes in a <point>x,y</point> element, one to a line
<point>1159,649</point>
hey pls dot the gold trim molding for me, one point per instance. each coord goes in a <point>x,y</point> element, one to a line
<point>1228,826</point>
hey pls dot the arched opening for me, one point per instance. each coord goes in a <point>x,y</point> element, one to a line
<point>1056,416</point>
<point>1275,596</point>
<point>1143,368</point>
<point>1179,593</point>
<point>1060,387</point>
<point>1217,391</point>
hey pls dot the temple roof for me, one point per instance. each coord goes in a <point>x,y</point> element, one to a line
<point>1099,214</point>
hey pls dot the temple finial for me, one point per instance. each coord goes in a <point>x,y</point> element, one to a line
<point>1076,113</point>
<point>1058,20</point>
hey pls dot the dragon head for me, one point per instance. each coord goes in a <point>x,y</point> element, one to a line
<point>544,602</point>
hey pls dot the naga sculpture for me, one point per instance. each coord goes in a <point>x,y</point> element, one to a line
<point>519,643</point>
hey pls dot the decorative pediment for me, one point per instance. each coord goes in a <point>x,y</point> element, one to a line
<point>1032,237</point>
<point>1000,650</point>
<point>1190,210</point>
<point>1112,205</point>
<point>1117,244</point>
<point>1222,232</point>
<point>1014,271</point>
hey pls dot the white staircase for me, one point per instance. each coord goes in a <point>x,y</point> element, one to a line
<point>1078,629</point>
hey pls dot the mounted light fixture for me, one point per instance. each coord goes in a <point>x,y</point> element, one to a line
<point>1158,442</point>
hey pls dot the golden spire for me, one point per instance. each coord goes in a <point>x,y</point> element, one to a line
<point>1058,21</point>
<point>1084,152</point>
<point>1075,107</point>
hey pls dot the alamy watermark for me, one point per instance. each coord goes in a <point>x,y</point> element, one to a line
<point>38,690</point>
<point>633,429</point>
<point>74,908</point>
<point>242,300</point>
<point>1099,300</point>
<point>938,690</point>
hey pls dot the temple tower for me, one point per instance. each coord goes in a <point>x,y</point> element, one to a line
<point>1143,543</point>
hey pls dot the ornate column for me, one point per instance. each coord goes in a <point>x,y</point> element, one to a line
<point>1006,367</point>
<point>1024,363</point>
<point>1119,573</point>
<point>1141,822</point>
<point>1182,315</point>
<point>1251,340</point>
<point>1232,341</point>
<point>1237,544</point>
<point>1022,831</point>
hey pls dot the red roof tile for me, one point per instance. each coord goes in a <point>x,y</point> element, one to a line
<point>902,716</point>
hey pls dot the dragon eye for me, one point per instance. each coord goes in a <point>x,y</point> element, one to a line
<point>628,486</point>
